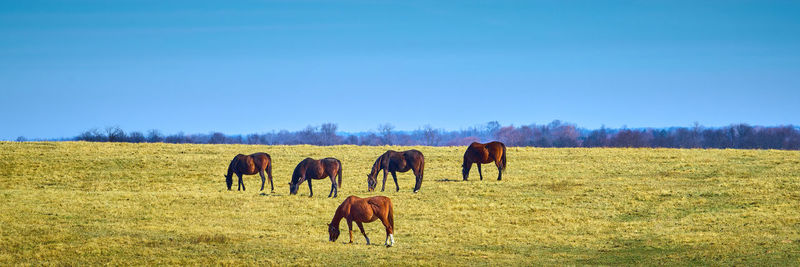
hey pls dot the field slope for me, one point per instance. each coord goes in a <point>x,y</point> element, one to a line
<point>76,203</point>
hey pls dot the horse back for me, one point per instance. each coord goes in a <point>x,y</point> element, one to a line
<point>477,152</point>
<point>359,209</point>
<point>330,164</point>
<point>414,158</point>
<point>380,205</point>
<point>495,149</point>
<point>261,160</point>
<point>244,164</point>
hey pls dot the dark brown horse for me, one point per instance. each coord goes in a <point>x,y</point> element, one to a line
<point>250,164</point>
<point>310,169</point>
<point>363,210</point>
<point>393,161</point>
<point>484,153</point>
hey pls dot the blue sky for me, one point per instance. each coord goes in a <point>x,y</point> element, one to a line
<point>258,66</point>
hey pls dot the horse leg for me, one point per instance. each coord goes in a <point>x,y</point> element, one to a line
<point>383,186</point>
<point>394,176</point>
<point>263,179</point>
<point>269,175</point>
<point>241,182</point>
<point>418,176</point>
<point>311,192</point>
<point>389,232</point>
<point>466,167</point>
<point>479,171</point>
<point>350,227</point>
<point>361,227</point>
<point>499,170</point>
<point>333,187</point>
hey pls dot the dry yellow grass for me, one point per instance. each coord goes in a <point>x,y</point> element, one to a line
<point>76,203</point>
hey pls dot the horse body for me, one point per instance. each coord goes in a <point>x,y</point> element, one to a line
<point>249,165</point>
<point>309,169</point>
<point>392,162</point>
<point>484,153</point>
<point>363,210</point>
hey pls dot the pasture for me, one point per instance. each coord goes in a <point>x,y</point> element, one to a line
<point>76,203</point>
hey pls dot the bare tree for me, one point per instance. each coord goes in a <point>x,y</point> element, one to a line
<point>154,136</point>
<point>136,137</point>
<point>328,134</point>
<point>253,139</point>
<point>309,136</point>
<point>386,133</point>
<point>217,138</point>
<point>115,134</point>
<point>431,136</point>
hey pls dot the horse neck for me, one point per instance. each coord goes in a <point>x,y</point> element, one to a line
<point>467,157</point>
<point>296,174</point>
<point>376,167</point>
<point>232,166</point>
<point>340,213</point>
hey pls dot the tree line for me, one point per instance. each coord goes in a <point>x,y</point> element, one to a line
<point>553,134</point>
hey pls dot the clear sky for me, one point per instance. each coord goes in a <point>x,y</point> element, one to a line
<point>257,66</point>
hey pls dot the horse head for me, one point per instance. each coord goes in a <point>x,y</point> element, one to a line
<point>292,188</point>
<point>371,182</point>
<point>333,233</point>
<point>229,180</point>
<point>465,170</point>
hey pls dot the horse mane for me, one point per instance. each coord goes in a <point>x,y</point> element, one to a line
<point>296,173</point>
<point>233,165</point>
<point>376,166</point>
<point>341,211</point>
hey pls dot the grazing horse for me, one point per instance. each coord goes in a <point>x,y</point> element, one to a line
<point>250,164</point>
<point>363,210</point>
<point>393,161</point>
<point>484,153</point>
<point>309,169</point>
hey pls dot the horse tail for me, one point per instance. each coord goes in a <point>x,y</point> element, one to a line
<point>503,158</point>
<point>269,166</point>
<point>391,214</point>
<point>339,173</point>
<point>421,165</point>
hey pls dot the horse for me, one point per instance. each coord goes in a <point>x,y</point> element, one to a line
<point>249,165</point>
<point>393,161</point>
<point>316,169</point>
<point>363,210</point>
<point>484,153</point>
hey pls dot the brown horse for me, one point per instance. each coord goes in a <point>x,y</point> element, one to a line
<point>363,210</point>
<point>484,153</point>
<point>250,164</point>
<point>393,161</point>
<point>317,169</point>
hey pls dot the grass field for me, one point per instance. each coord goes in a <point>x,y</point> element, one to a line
<point>75,203</point>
